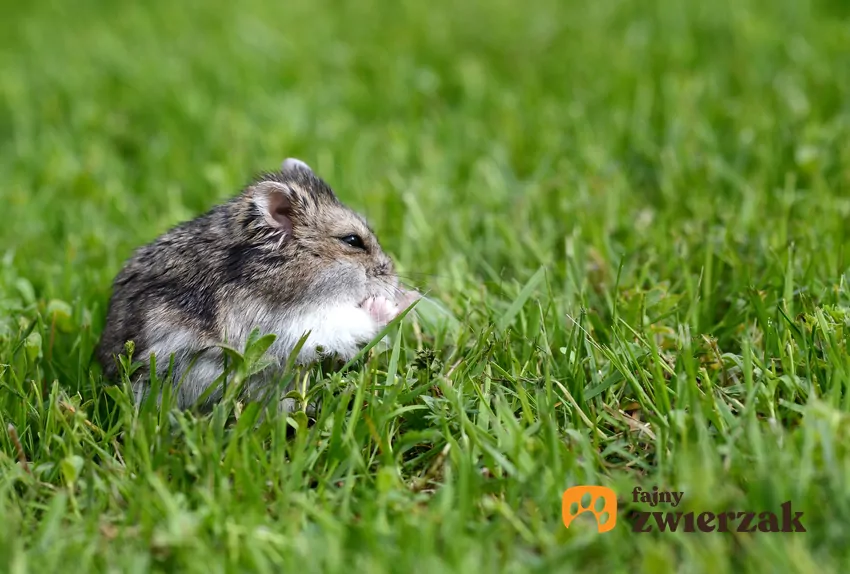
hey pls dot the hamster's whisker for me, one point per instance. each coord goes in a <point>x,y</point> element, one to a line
<point>420,273</point>
<point>404,286</point>
<point>421,276</point>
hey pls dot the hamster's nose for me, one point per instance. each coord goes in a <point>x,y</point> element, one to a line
<point>384,267</point>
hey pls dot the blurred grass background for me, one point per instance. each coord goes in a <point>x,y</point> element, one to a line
<point>637,210</point>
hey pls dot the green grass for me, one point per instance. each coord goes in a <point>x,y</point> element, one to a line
<point>638,213</point>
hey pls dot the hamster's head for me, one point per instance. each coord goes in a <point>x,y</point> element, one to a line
<point>326,253</point>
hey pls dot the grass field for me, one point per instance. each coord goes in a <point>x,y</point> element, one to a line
<point>635,214</point>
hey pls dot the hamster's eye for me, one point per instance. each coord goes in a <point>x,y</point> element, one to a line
<point>354,241</point>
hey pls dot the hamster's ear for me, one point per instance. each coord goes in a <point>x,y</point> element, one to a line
<point>291,164</point>
<point>274,201</point>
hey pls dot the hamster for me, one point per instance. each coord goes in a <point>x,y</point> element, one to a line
<point>285,255</point>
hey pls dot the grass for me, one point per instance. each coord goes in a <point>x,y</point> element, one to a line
<point>636,212</point>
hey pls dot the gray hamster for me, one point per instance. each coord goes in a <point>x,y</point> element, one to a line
<point>285,255</point>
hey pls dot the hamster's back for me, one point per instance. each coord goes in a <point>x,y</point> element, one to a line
<point>170,276</point>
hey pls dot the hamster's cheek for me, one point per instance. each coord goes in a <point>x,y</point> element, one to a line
<point>342,283</point>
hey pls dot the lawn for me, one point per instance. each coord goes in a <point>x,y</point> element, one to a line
<point>631,220</point>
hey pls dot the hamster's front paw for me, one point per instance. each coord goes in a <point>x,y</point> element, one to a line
<point>381,309</point>
<point>407,298</point>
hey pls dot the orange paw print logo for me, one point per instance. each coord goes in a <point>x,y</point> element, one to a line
<point>599,500</point>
